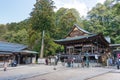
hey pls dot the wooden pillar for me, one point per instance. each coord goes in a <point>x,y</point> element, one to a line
<point>31,56</point>
<point>73,50</point>
<point>4,59</point>
<point>65,49</point>
<point>92,49</point>
<point>35,57</point>
<point>18,58</point>
<point>82,50</point>
<point>69,50</point>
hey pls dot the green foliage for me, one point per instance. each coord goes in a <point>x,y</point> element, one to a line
<point>103,18</point>
<point>50,46</point>
<point>18,26</point>
<point>65,19</point>
<point>3,30</point>
<point>20,37</point>
<point>15,32</point>
<point>33,38</point>
<point>42,16</point>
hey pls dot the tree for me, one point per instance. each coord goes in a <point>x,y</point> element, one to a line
<point>42,17</point>
<point>3,30</point>
<point>97,18</point>
<point>105,18</point>
<point>65,19</point>
<point>17,37</point>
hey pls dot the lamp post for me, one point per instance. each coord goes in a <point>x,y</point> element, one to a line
<point>87,60</point>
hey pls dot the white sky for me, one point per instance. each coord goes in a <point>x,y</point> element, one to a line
<point>18,10</point>
<point>82,6</point>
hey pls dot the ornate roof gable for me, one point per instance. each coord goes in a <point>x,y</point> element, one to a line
<point>77,31</point>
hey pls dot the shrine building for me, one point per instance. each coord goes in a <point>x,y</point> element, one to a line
<point>79,43</point>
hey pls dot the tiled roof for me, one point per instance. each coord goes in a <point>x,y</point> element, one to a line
<point>75,38</point>
<point>11,47</point>
<point>82,29</point>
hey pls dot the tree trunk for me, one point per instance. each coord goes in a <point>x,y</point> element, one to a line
<point>42,46</point>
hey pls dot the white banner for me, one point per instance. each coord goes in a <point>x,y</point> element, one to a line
<point>41,61</point>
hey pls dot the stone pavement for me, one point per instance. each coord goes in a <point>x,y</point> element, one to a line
<point>25,71</point>
<point>72,74</point>
<point>113,75</point>
<point>43,72</point>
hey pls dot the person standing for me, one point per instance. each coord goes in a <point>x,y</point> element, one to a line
<point>5,66</point>
<point>56,60</point>
<point>46,61</point>
<point>69,62</point>
<point>118,64</point>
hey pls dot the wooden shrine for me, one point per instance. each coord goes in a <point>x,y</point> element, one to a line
<point>78,42</point>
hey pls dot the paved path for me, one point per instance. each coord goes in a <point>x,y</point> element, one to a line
<point>20,72</point>
<point>43,72</point>
<point>72,74</point>
<point>113,75</point>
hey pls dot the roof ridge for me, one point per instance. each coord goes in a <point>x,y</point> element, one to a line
<point>12,43</point>
<point>82,29</point>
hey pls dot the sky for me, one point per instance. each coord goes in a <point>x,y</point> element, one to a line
<point>18,10</point>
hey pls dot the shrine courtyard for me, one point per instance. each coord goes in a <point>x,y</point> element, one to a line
<point>59,72</point>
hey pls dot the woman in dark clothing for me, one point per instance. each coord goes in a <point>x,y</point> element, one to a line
<point>46,61</point>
